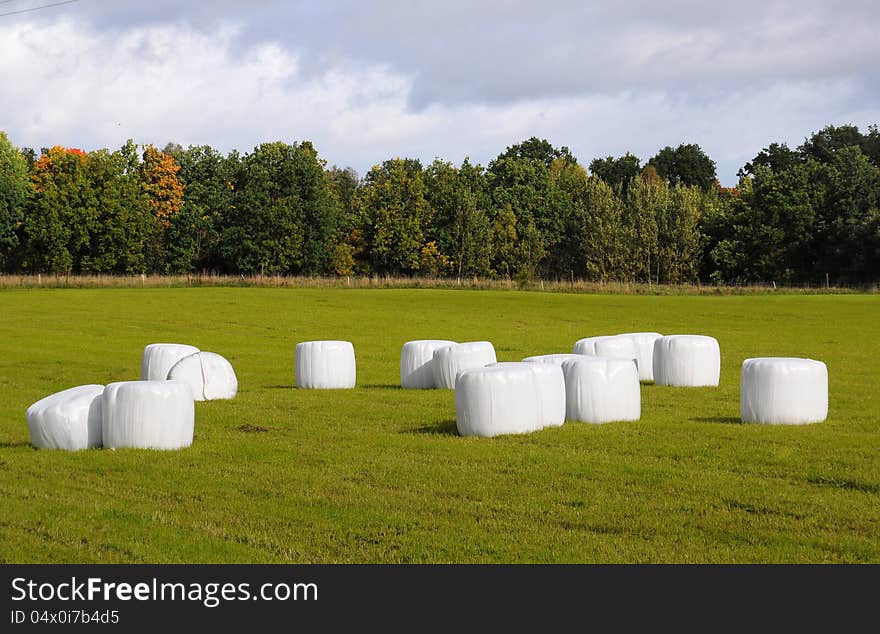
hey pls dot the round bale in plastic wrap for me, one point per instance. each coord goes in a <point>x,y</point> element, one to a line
<point>600,390</point>
<point>618,347</point>
<point>551,390</point>
<point>588,344</point>
<point>450,360</point>
<point>495,400</point>
<point>644,342</point>
<point>70,419</point>
<point>417,363</point>
<point>325,365</point>
<point>687,361</point>
<point>783,391</point>
<point>147,415</point>
<point>553,359</point>
<point>209,376</point>
<point>159,358</point>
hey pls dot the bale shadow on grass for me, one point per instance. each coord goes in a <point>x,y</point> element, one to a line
<point>15,444</point>
<point>380,386</point>
<point>442,428</point>
<point>280,387</point>
<point>727,420</point>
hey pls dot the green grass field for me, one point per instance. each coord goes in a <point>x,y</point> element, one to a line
<point>378,474</point>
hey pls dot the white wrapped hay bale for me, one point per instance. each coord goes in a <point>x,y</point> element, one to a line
<point>617,347</point>
<point>601,390</point>
<point>450,360</point>
<point>159,358</point>
<point>147,415</point>
<point>495,400</point>
<point>209,376</point>
<point>417,363</point>
<point>70,419</point>
<point>588,345</point>
<point>783,390</point>
<point>551,390</point>
<point>325,365</point>
<point>644,342</point>
<point>552,359</point>
<point>687,361</point>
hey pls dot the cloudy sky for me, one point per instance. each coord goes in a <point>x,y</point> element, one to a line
<point>369,80</point>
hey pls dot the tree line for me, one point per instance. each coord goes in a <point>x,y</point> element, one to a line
<point>803,215</point>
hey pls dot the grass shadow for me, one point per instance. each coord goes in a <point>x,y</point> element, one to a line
<point>280,387</point>
<point>443,428</point>
<point>15,444</point>
<point>727,420</point>
<point>380,386</point>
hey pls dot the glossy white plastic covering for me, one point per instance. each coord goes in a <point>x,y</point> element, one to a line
<point>147,415</point>
<point>587,345</point>
<point>209,376</point>
<point>554,359</point>
<point>70,419</point>
<point>159,358</point>
<point>687,361</point>
<point>325,365</point>
<point>417,363</point>
<point>551,390</point>
<point>450,360</point>
<point>644,342</point>
<point>495,400</point>
<point>601,390</point>
<point>783,390</point>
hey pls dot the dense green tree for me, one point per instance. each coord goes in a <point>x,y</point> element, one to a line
<point>392,202</point>
<point>320,210</point>
<point>14,192</point>
<point>679,238</point>
<point>685,165</point>
<point>459,223</point>
<point>349,251</point>
<point>62,214</point>
<point>505,239</point>
<point>125,223</point>
<point>824,144</point>
<point>646,200</point>
<point>534,149</point>
<point>194,233</point>
<point>617,172</point>
<point>776,156</point>
<point>602,240</point>
<point>263,227</point>
<point>847,223</point>
<point>519,178</point>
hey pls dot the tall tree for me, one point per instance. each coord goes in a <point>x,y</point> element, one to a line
<point>164,190</point>
<point>263,229</point>
<point>645,201</point>
<point>392,201</point>
<point>824,144</point>
<point>685,165</point>
<point>193,237</point>
<point>617,172</point>
<point>320,210</point>
<point>519,178</point>
<point>14,192</point>
<point>125,221</point>
<point>776,156</point>
<point>459,223</point>
<point>603,240</point>
<point>63,212</point>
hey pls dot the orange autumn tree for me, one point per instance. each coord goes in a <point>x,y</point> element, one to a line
<point>63,214</point>
<point>158,175</point>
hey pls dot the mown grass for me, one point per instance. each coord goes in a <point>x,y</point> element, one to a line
<point>377,474</point>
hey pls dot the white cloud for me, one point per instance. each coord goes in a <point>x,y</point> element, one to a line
<point>70,83</point>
